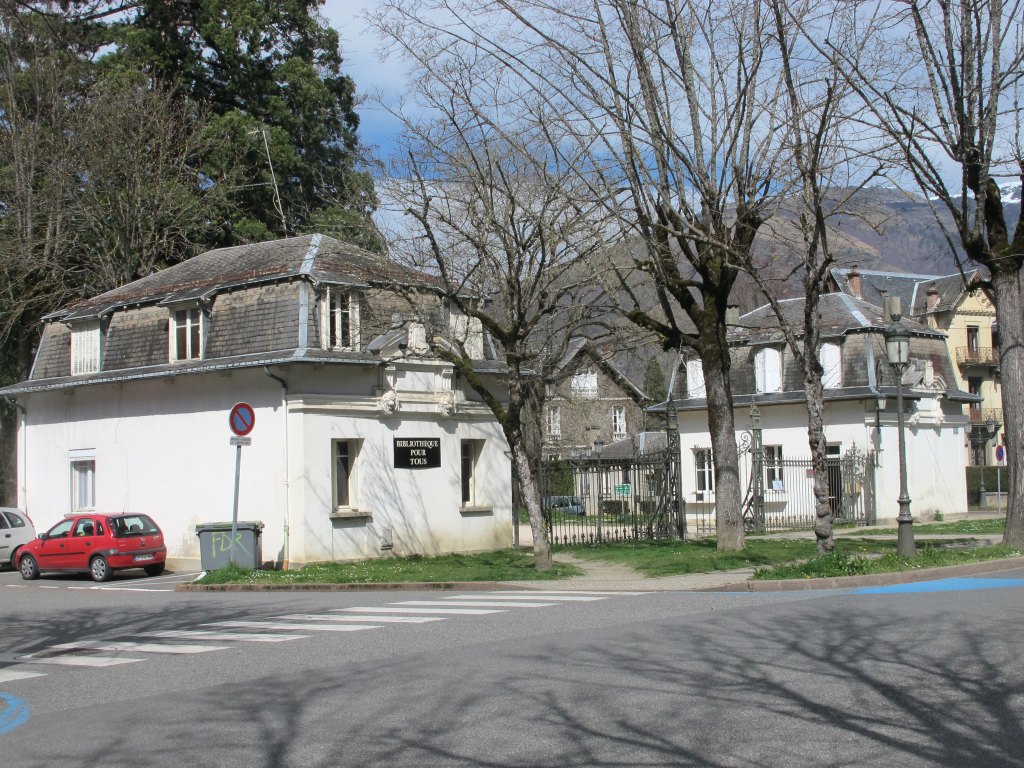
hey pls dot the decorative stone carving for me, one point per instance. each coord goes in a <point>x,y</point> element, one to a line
<point>446,403</point>
<point>418,340</point>
<point>388,404</point>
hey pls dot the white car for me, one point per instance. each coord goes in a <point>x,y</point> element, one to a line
<point>16,530</point>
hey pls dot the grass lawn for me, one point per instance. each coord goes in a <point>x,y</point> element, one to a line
<point>993,525</point>
<point>841,563</point>
<point>501,565</point>
<point>674,558</point>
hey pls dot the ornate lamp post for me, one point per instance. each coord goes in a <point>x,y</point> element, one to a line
<point>897,349</point>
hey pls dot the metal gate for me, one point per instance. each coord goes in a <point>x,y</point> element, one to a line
<point>591,500</point>
<point>780,492</point>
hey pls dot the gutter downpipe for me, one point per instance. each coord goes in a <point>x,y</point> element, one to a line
<point>287,468</point>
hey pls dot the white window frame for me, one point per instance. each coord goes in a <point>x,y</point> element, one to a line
<point>773,468</point>
<point>619,420</point>
<point>584,383</point>
<point>192,319</point>
<point>704,473</point>
<point>469,462</point>
<point>83,484</point>
<point>345,498</point>
<point>86,347</point>
<point>554,421</point>
<point>768,369</point>
<point>830,355</point>
<point>339,319</point>
<point>695,379</point>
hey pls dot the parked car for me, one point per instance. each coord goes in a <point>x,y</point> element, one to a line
<point>16,530</point>
<point>97,544</point>
<point>568,505</point>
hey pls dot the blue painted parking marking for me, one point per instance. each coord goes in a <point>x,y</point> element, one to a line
<point>942,585</point>
<point>13,712</point>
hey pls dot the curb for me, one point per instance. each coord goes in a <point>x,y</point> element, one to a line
<point>467,586</point>
<point>873,579</point>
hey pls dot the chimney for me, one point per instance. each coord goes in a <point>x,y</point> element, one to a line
<point>732,315</point>
<point>933,297</point>
<point>853,279</point>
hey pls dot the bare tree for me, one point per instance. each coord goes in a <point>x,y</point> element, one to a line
<point>670,107</point>
<point>819,115</point>
<point>506,230</point>
<point>954,110</point>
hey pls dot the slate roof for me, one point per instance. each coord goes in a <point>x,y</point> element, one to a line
<point>582,346</point>
<point>840,314</point>
<point>321,258</point>
<point>912,289</point>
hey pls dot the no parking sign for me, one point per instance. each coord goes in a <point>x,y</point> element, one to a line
<point>242,419</point>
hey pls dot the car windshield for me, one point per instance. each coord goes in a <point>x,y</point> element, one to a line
<point>133,525</point>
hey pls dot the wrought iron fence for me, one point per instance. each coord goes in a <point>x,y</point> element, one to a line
<point>785,500</point>
<point>595,500</point>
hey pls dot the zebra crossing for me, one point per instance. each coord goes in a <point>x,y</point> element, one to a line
<point>213,636</point>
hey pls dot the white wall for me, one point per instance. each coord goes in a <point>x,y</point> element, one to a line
<point>934,449</point>
<point>162,447</point>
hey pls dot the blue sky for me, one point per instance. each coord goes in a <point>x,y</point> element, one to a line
<point>362,62</point>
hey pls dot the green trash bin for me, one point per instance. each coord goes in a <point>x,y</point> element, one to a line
<point>216,547</point>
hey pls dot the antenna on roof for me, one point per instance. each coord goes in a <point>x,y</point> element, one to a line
<point>273,179</point>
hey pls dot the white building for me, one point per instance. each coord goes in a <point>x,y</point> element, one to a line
<point>364,441</point>
<point>860,418</point>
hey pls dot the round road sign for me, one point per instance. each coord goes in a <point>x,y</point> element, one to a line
<point>1000,453</point>
<point>242,419</point>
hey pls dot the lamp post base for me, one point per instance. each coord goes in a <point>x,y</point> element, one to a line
<point>905,546</point>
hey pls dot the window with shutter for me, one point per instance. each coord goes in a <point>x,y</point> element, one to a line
<point>86,348</point>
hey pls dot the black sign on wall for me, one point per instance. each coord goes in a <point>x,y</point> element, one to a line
<point>417,452</point>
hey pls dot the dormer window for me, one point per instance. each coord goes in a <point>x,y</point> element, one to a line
<point>339,319</point>
<point>831,358</point>
<point>186,337</point>
<point>86,347</point>
<point>695,379</point>
<point>768,369</point>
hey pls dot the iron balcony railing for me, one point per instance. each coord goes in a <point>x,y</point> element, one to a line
<point>977,356</point>
<point>985,415</point>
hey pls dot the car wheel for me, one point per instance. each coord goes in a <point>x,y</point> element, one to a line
<point>99,569</point>
<point>14,559</point>
<point>154,570</point>
<point>29,567</point>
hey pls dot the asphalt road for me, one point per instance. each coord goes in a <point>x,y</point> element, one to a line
<point>909,676</point>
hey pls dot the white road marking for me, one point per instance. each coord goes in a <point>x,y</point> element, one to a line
<point>482,603</point>
<point>80,661</point>
<point>515,598</point>
<point>8,675</point>
<point>379,619</point>
<point>451,611</point>
<point>574,597</point>
<point>552,593</point>
<point>100,645</point>
<point>301,627</point>
<point>209,634</point>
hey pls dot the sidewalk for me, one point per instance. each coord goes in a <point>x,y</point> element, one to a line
<point>609,577</point>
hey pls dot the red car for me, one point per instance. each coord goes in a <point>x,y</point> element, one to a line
<point>99,544</point>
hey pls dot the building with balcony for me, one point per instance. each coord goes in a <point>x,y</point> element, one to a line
<point>956,305</point>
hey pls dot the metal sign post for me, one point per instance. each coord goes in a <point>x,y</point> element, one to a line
<point>241,420</point>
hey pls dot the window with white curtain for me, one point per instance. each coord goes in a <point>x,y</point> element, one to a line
<point>695,379</point>
<point>86,348</point>
<point>830,356</point>
<point>768,369</point>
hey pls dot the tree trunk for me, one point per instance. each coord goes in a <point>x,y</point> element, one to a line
<point>8,454</point>
<point>1010,316</point>
<point>815,394</point>
<point>721,425</point>
<point>530,494</point>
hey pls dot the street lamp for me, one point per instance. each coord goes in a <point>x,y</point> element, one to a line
<point>897,349</point>
<point>983,438</point>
